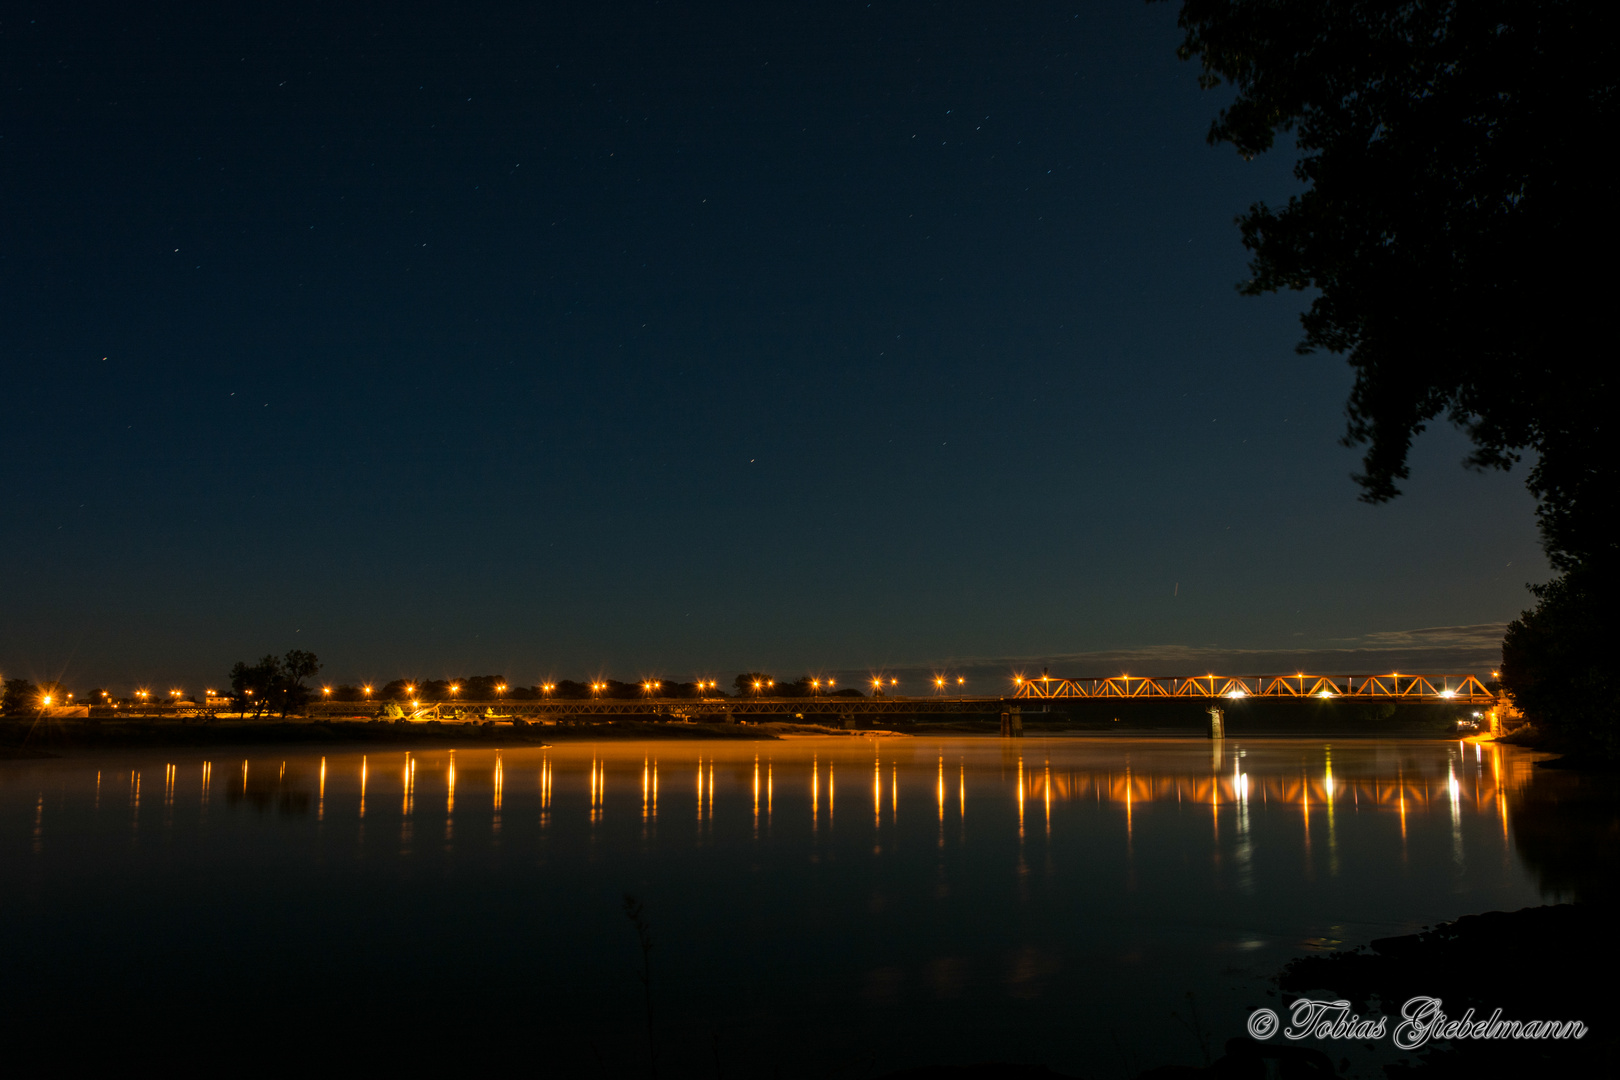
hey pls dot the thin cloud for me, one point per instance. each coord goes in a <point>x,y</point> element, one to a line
<point>1472,649</point>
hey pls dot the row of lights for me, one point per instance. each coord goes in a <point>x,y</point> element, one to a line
<point>651,686</point>
<point>648,687</point>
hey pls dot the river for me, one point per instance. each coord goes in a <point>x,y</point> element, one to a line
<point>816,907</point>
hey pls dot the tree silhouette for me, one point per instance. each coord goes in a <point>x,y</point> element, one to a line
<point>1457,220</point>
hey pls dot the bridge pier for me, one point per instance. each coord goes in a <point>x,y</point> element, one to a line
<point>1217,722</point>
<point>1012,723</point>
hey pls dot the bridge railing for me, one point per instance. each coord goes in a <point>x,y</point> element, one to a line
<point>1460,688</point>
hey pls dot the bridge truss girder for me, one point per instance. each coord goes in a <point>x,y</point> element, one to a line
<point>1458,688</point>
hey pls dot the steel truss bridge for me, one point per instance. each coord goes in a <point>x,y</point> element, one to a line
<point>1461,689</point>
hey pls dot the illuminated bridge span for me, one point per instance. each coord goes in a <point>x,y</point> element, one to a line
<point>1460,688</point>
<point>1427,688</point>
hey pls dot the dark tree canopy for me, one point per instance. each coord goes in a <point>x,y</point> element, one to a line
<point>1558,663</point>
<point>273,682</point>
<point>1459,222</point>
<point>18,697</point>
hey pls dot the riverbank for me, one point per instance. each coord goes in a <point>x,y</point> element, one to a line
<point>1552,963</point>
<point>1536,964</point>
<point>48,738</point>
<point>1541,964</point>
<point>23,740</point>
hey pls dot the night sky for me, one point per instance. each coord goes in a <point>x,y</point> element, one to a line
<point>675,339</point>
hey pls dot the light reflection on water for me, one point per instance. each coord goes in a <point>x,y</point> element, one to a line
<point>1045,900</point>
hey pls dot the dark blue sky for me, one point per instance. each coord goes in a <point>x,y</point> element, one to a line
<point>666,339</point>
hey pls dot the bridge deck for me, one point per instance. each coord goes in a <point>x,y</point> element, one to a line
<point>1460,689</point>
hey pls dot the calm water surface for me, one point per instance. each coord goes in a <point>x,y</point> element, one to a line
<point>819,907</point>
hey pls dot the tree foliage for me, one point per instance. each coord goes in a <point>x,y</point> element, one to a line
<point>274,682</point>
<point>1457,221</point>
<point>18,697</point>
<point>1558,664</point>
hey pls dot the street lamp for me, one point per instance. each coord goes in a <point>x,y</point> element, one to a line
<point>366,689</point>
<point>500,688</point>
